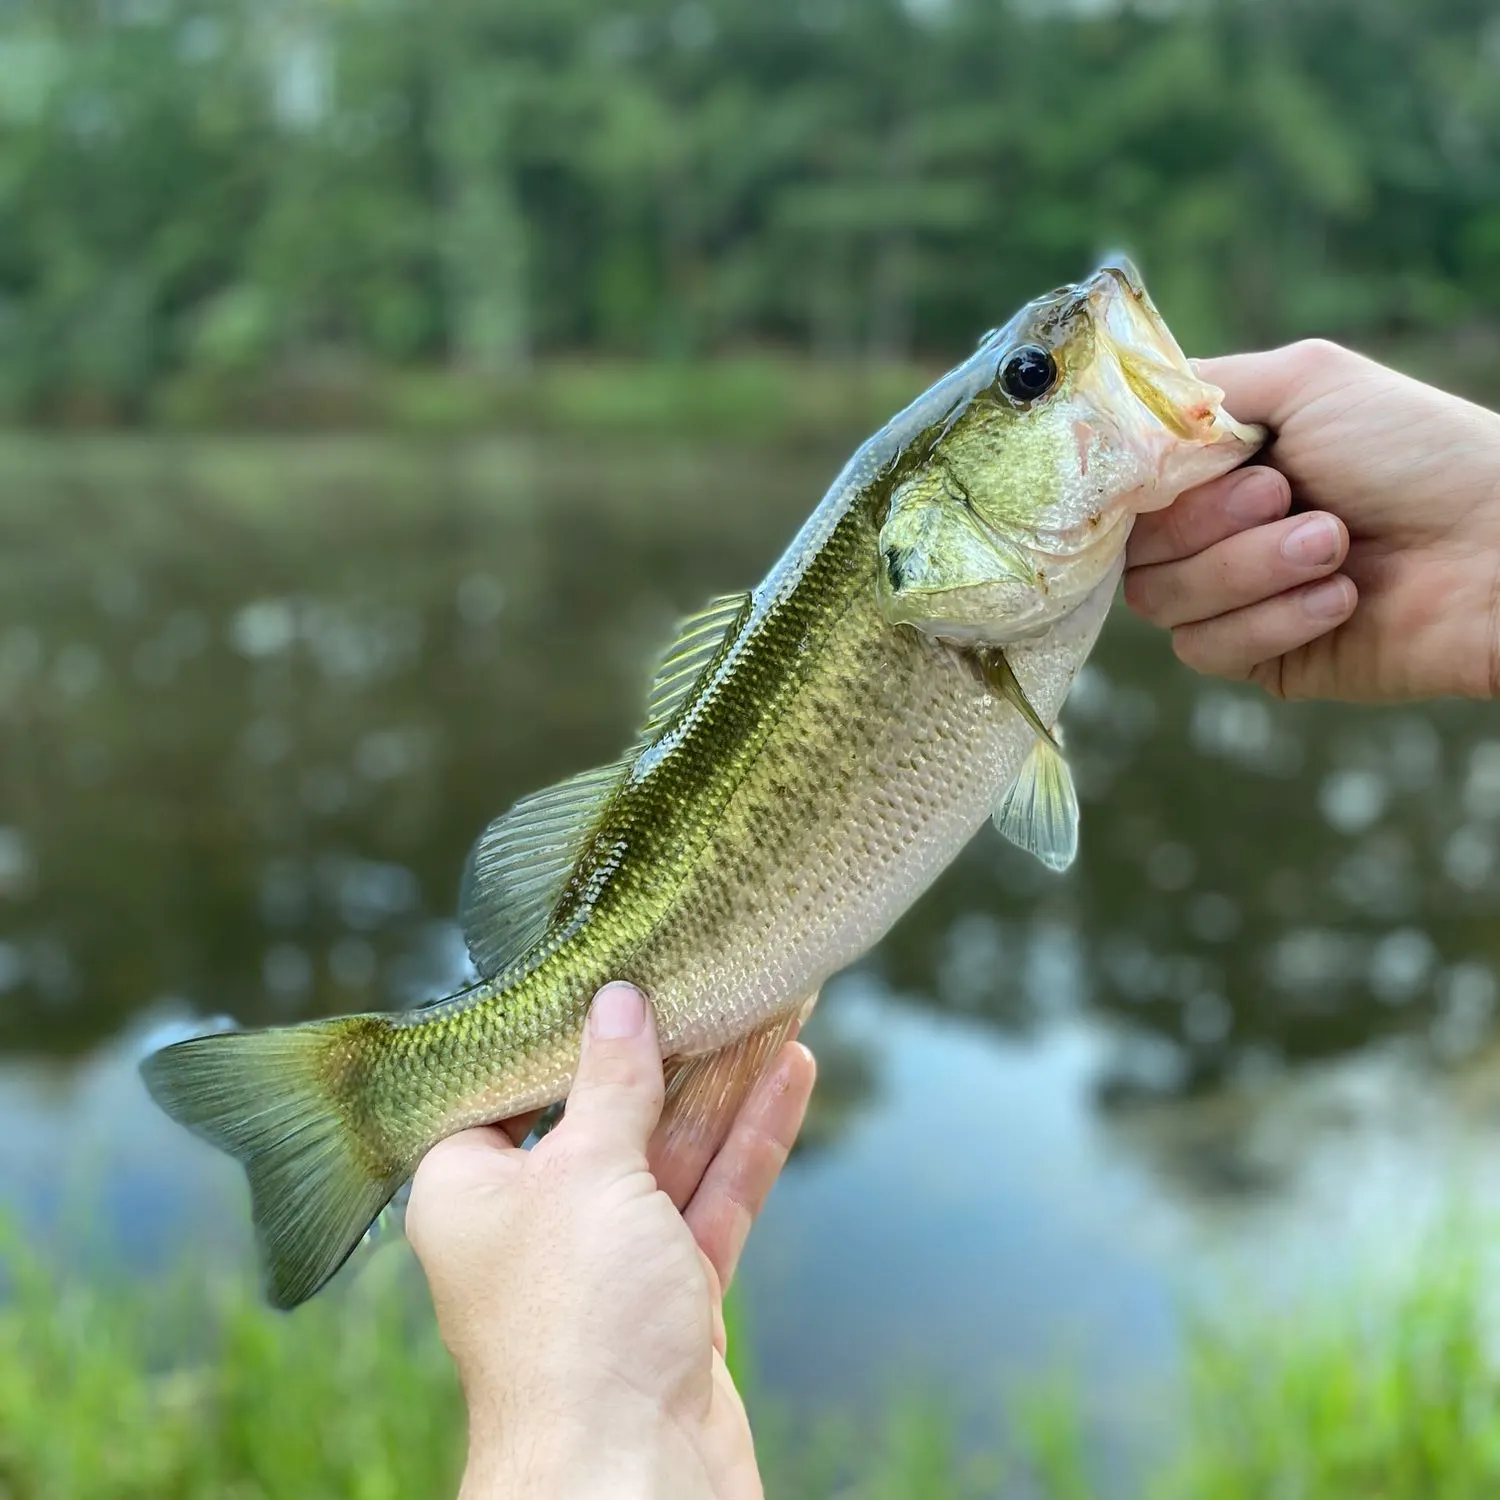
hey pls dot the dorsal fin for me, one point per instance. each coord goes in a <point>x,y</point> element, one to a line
<point>520,864</point>
<point>699,639</point>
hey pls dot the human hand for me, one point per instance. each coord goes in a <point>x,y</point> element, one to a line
<point>1397,486</point>
<point>583,1310</point>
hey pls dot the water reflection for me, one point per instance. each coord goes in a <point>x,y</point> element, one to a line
<point>257,697</point>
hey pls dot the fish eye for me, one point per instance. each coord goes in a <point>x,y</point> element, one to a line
<point>1027,373</point>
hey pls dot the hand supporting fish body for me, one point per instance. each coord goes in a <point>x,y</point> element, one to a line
<point>814,754</point>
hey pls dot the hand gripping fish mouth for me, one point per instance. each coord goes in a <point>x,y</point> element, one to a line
<point>1024,496</point>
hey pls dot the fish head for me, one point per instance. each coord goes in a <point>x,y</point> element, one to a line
<point>1082,413</point>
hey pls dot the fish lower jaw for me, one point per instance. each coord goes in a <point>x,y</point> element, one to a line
<point>1180,466</point>
<point>1001,615</point>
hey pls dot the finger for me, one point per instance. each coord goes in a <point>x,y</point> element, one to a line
<point>716,1302</point>
<point>1268,386</point>
<point>678,1163</point>
<point>617,1091</point>
<point>735,1187</point>
<point>467,1154</point>
<point>678,1159</point>
<point>1234,645</point>
<point>1200,517</point>
<point>1241,570</point>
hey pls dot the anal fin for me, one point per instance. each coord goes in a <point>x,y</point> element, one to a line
<point>1039,813</point>
<point>704,1094</point>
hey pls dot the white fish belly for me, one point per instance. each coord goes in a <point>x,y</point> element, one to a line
<point>931,760</point>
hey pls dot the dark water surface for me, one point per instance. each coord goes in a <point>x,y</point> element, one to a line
<point>257,697</point>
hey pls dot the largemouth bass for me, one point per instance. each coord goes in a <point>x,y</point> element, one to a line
<point>813,754</point>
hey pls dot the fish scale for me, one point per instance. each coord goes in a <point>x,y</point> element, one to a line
<point>814,754</point>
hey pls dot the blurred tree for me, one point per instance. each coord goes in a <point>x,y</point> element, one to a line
<point>227,185</point>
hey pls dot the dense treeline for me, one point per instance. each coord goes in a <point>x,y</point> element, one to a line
<point>230,185</point>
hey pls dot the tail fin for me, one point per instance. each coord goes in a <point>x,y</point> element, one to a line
<point>278,1101</point>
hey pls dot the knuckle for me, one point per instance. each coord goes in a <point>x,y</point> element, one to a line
<point>1179,530</point>
<point>418,1213</point>
<point>429,1214</point>
<point>1269,676</point>
<point>619,1067</point>
<point>624,1083</point>
<point>1187,647</point>
<point>432,1185</point>
<point>1152,591</point>
<point>1262,482</point>
<point>1317,354</point>
<point>1197,648</point>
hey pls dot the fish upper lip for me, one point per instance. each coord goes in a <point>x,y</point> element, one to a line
<point>1152,340</point>
<point>1154,364</point>
<point>1124,272</point>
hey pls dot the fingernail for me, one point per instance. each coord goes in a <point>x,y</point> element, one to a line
<point>1328,600</point>
<point>619,1010</point>
<point>1314,542</point>
<point>1255,498</point>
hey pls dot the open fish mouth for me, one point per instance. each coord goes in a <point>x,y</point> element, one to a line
<point>1152,366</point>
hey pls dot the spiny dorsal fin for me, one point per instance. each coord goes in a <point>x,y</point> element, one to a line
<point>1040,811</point>
<point>699,639</point>
<point>521,863</point>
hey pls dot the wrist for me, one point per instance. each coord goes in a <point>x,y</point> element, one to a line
<point>554,1458</point>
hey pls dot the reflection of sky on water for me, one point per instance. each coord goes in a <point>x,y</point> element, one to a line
<point>967,1230</point>
<point>92,1169</point>
<point>985,1222</point>
<point>980,1220</point>
<point>257,698</point>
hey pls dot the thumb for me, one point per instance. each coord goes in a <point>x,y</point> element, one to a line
<point>617,1092</point>
<point>1272,386</point>
<point>1257,387</point>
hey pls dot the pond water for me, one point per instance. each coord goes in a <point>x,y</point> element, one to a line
<point>257,696</point>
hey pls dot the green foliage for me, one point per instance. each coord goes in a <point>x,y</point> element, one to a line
<point>1390,1391</point>
<point>1392,1396</point>
<point>742,397</point>
<point>241,190</point>
<point>356,1398</point>
<point>191,1389</point>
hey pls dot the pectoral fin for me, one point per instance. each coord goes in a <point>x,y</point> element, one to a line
<point>704,1094</point>
<point>1040,811</point>
<point>1000,678</point>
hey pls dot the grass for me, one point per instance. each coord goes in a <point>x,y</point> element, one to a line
<point>1390,1396</point>
<point>352,1398</point>
<point>1391,1393</point>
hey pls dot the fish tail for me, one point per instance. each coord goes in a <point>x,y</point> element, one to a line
<point>286,1103</point>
